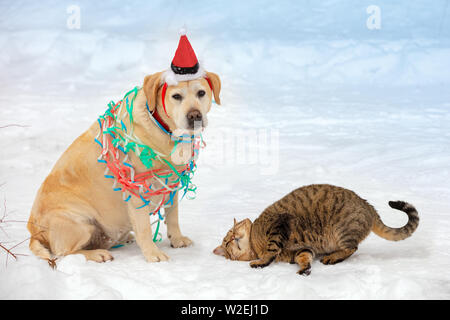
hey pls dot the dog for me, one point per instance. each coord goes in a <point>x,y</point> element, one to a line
<point>77,212</point>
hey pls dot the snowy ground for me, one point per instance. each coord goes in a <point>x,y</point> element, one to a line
<point>365,109</point>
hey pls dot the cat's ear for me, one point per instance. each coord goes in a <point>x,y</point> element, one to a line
<point>219,251</point>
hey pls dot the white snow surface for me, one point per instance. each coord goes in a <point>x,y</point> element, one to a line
<point>368,110</point>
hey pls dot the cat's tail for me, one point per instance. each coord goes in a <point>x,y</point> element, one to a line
<point>396,234</point>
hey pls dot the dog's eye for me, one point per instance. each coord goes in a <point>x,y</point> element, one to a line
<point>177,96</point>
<point>201,93</point>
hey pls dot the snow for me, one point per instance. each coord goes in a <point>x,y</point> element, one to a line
<point>323,98</point>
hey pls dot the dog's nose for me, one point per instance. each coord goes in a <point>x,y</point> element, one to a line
<point>194,116</point>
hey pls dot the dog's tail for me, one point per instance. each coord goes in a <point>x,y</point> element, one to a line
<point>396,234</point>
<point>42,252</point>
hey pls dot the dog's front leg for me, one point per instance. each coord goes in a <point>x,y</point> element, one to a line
<point>140,221</point>
<point>177,240</point>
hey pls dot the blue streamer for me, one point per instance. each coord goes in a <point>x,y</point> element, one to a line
<point>101,145</point>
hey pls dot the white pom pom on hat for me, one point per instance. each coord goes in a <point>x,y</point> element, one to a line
<point>185,65</point>
<point>182,31</point>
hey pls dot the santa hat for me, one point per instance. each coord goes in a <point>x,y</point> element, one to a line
<point>185,65</point>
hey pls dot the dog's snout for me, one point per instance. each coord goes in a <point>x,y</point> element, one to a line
<point>194,116</point>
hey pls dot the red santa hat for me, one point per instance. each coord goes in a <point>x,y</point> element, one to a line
<point>185,65</point>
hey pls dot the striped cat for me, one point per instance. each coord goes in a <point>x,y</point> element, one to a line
<point>317,220</point>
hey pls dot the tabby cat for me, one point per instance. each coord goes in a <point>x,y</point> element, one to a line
<point>316,220</point>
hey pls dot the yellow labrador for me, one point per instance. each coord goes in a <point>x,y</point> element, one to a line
<point>77,212</point>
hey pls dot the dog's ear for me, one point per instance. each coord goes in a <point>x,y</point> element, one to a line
<point>151,85</point>
<point>215,81</point>
<point>219,251</point>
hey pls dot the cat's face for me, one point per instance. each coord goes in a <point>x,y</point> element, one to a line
<point>236,244</point>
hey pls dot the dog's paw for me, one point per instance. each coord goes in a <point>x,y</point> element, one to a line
<point>155,255</point>
<point>98,255</point>
<point>179,242</point>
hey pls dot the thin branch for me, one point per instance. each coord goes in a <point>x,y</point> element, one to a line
<point>6,221</point>
<point>9,250</point>
<point>18,244</point>
<point>3,230</point>
<point>4,211</point>
<point>3,217</point>
<point>15,125</point>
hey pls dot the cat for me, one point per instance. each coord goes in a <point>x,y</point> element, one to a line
<point>318,220</point>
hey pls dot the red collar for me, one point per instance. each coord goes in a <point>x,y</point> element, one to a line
<point>155,114</point>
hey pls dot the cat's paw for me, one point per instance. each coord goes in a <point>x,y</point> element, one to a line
<point>258,264</point>
<point>261,263</point>
<point>305,271</point>
<point>330,260</point>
